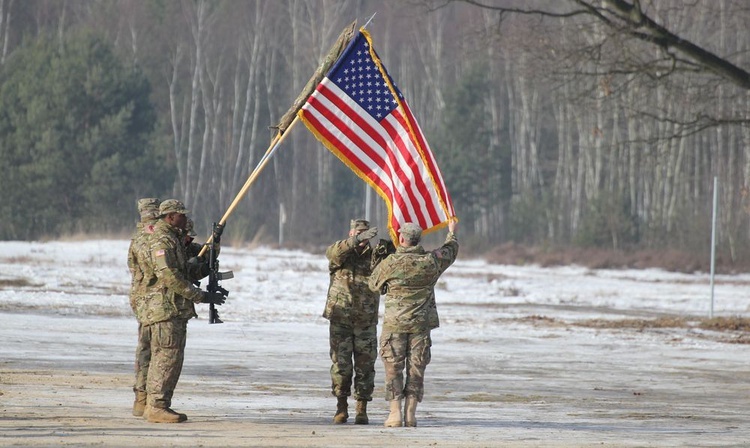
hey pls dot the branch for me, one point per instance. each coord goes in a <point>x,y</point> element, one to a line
<point>537,12</point>
<point>687,128</point>
<point>642,27</point>
<point>631,20</point>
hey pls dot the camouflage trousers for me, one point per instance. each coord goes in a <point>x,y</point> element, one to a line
<point>142,358</point>
<point>353,353</point>
<point>407,351</point>
<point>167,354</point>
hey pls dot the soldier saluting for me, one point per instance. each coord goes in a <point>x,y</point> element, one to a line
<point>352,309</point>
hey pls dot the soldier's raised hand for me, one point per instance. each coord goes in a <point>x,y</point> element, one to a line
<point>216,236</point>
<point>452,224</point>
<point>367,234</point>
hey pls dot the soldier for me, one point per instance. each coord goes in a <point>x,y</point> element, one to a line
<point>170,303</point>
<point>198,266</point>
<point>408,278</point>
<point>148,208</point>
<point>189,235</point>
<point>352,309</point>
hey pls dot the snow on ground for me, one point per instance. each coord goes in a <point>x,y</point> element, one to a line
<point>91,278</point>
<point>503,372</point>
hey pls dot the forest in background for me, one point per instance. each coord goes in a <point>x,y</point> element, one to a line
<point>569,123</point>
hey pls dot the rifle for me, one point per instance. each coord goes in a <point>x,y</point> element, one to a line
<point>213,278</point>
<point>380,252</point>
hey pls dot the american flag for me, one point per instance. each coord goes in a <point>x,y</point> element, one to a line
<point>359,114</point>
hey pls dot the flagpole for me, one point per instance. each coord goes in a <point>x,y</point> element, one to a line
<point>369,20</point>
<point>254,175</point>
<point>283,127</point>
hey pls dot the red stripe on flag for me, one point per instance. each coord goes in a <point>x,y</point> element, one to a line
<point>402,147</point>
<point>359,114</point>
<point>431,162</point>
<point>418,179</point>
<point>392,193</point>
<point>406,196</point>
<point>341,146</point>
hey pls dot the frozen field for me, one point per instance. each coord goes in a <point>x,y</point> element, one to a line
<point>514,363</point>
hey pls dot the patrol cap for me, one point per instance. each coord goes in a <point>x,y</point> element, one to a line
<point>189,228</point>
<point>411,231</point>
<point>148,208</point>
<point>359,224</point>
<point>172,206</point>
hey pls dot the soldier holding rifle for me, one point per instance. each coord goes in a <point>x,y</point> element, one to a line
<point>170,303</point>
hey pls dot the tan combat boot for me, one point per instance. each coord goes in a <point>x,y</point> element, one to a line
<point>342,413</point>
<point>394,418</point>
<point>139,404</point>
<point>410,409</point>
<point>163,415</point>
<point>361,417</point>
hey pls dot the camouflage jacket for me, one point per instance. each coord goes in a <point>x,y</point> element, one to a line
<point>170,292</point>
<point>194,270</point>
<point>350,301</point>
<point>198,271</point>
<point>408,278</point>
<point>137,259</point>
<point>193,249</point>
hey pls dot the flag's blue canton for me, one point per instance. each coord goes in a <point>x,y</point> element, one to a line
<point>358,76</point>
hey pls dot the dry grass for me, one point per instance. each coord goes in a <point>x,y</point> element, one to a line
<point>593,258</point>
<point>720,324</point>
<point>728,330</point>
<point>9,283</point>
<point>639,324</point>
<point>294,266</point>
<point>20,259</point>
<point>734,323</point>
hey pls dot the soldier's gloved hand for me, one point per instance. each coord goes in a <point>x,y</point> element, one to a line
<point>367,234</point>
<point>216,298</point>
<point>384,289</point>
<point>385,248</point>
<point>380,250</point>
<point>217,232</point>
<point>199,266</point>
<point>195,261</point>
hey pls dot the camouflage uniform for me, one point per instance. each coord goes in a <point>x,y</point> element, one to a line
<point>137,251</point>
<point>137,260</point>
<point>169,304</point>
<point>352,309</point>
<point>197,266</point>
<point>192,249</point>
<point>408,280</point>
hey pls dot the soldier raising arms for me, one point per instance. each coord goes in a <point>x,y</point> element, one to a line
<point>408,278</point>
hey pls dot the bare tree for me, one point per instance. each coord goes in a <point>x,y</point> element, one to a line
<point>5,18</point>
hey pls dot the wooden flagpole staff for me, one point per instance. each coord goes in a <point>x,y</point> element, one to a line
<point>289,119</point>
<point>280,136</point>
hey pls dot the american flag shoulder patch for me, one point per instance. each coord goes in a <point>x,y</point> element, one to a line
<point>159,253</point>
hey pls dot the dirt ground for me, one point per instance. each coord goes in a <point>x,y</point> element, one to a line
<point>65,381</point>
